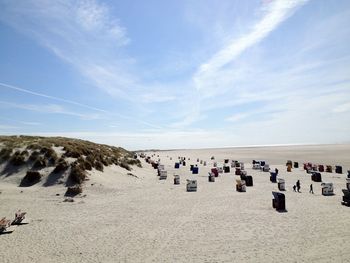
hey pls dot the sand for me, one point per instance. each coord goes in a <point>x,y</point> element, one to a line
<point>125,218</point>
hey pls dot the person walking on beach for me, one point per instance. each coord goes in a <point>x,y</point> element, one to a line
<point>311,189</point>
<point>298,186</point>
<point>294,188</point>
<point>276,170</point>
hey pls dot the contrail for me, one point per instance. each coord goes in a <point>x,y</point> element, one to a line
<point>77,104</point>
<point>51,97</point>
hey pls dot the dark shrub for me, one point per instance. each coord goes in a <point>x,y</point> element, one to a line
<point>34,146</point>
<point>25,153</point>
<point>77,174</point>
<point>5,154</point>
<point>134,162</point>
<point>99,166</point>
<point>31,178</point>
<point>74,190</point>
<point>17,159</point>
<point>51,156</point>
<point>73,153</point>
<point>40,163</point>
<point>61,166</point>
<point>87,166</point>
<point>34,156</point>
<point>125,165</point>
<point>104,162</point>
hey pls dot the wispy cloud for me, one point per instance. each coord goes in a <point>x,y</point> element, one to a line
<point>342,108</point>
<point>3,127</point>
<point>276,13</point>
<point>82,33</point>
<point>55,108</point>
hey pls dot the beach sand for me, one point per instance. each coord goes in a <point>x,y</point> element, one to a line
<point>125,218</point>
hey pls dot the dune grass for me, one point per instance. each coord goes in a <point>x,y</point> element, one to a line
<point>74,155</point>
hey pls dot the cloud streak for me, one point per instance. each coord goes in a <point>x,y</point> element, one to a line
<point>276,13</point>
<point>4,85</point>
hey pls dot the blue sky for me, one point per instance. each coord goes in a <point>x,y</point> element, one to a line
<point>177,74</point>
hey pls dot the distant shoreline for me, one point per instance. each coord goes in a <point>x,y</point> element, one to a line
<point>244,146</point>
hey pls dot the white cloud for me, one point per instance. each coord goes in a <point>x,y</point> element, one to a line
<point>82,33</point>
<point>237,117</point>
<point>276,13</point>
<point>342,108</point>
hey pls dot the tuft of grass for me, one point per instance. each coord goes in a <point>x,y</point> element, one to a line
<point>61,166</point>
<point>98,166</point>
<point>74,190</point>
<point>17,159</point>
<point>77,174</point>
<point>5,154</point>
<point>125,165</point>
<point>31,178</point>
<point>40,163</point>
<point>34,156</point>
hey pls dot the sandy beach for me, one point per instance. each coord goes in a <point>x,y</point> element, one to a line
<point>138,218</point>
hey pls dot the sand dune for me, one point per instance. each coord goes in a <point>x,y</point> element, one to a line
<point>125,218</point>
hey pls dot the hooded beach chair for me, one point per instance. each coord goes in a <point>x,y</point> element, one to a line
<point>191,185</point>
<point>215,171</point>
<point>338,169</point>
<point>226,169</point>
<point>211,177</point>
<point>266,167</point>
<point>279,201</point>
<point>327,189</point>
<point>316,177</point>
<point>249,180</point>
<point>176,179</point>
<point>321,168</point>
<point>281,184</point>
<point>273,177</point>
<point>346,197</point>
<point>329,169</point>
<point>240,185</point>
<point>163,175</point>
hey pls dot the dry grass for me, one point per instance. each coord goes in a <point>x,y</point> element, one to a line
<point>17,159</point>
<point>40,163</point>
<point>61,166</point>
<point>77,174</point>
<point>39,153</point>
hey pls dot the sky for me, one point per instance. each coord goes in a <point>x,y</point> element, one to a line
<point>176,74</point>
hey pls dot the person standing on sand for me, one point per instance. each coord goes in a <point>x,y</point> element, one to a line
<point>298,186</point>
<point>276,170</point>
<point>294,188</point>
<point>311,189</point>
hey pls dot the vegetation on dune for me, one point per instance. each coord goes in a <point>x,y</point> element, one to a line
<point>31,178</point>
<point>74,190</point>
<point>72,155</point>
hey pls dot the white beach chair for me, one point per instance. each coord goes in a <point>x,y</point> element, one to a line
<point>191,185</point>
